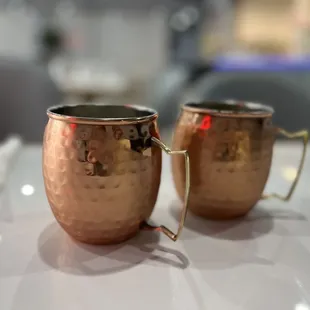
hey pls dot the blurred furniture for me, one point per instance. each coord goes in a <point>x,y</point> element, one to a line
<point>26,91</point>
<point>88,81</point>
<point>287,92</point>
<point>266,26</point>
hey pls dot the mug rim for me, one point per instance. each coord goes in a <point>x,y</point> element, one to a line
<point>152,115</point>
<point>247,109</point>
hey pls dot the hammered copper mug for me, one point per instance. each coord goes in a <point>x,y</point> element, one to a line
<point>102,168</point>
<point>230,145</point>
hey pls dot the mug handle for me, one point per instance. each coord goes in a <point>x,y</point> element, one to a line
<point>161,228</point>
<point>292,135</point>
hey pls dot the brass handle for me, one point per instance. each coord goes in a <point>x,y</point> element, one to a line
<point>164,229</point>
<point>299,134</point>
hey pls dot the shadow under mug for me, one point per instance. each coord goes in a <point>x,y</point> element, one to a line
<point>230,145</point>
<point>102,167</point>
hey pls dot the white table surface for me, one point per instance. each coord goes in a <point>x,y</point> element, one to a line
<point>261,262</point>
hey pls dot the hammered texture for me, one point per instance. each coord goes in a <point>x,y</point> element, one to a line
<point>230,159</point>
<point>101,181</point>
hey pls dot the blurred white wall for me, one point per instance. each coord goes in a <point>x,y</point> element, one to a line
<point>133,42</point>
<point>18,33</point>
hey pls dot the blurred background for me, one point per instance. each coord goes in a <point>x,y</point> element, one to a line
<point>158,53</point>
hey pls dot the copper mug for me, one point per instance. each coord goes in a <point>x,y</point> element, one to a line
<point>230,145</point>
<point>102,168</point>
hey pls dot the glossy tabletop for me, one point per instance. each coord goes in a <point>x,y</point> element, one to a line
<point>260,262</point>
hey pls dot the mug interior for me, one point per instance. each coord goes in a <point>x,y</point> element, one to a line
<point>231,107</point>
<point>102,112</point>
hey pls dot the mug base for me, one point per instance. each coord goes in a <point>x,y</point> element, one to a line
<point>101,240</point>
<point>220,214</point>
<point>104,241</point>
